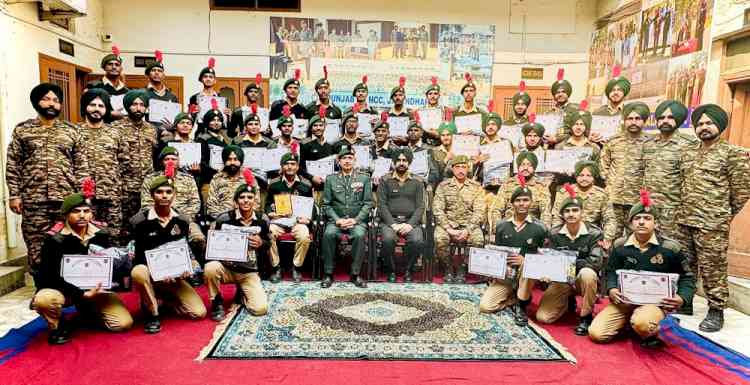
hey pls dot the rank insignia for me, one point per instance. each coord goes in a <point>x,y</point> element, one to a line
<point>657,259</point>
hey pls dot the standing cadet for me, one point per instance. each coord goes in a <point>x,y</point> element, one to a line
<point>315,148</point>
<point>45,163</point>
<point>502,206</point>
<point>207,77</point>
<point>661,158</point>
<point>360,94</point>
<point>108,157</point>
<point>495,147</point>
<point>468,107</point>
<point>349,128</point>
<point>156,89</point>
<point>432,94</point>
<point>715,187</point>
<point>616,91</point>
<point>521,101</point>
<point>223,185</point>
<point>253,94</point>
<point>112,82</point>
<point>399,109</point>
<point>621,163</point>
<point>561,91</point>
<point>459,210</point>
<point>291,99</point>
<point>323,89</point>
<point>347,201</point>
<point>214,138</point>
<point>580,128</point>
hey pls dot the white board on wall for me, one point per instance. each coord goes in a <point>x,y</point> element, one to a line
<point>543,16</point>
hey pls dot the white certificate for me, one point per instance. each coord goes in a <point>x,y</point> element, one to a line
<point>215,161</point>
<point>190,153</point>
<point>381,167</point>
<point>322,167</point>
<point>272,158</point>
<point>551,122</point>
<point>169,260</point>
<point>204,105</point>
<point>488,262</point>
<point>431,117</point>
<point>471,123</point>
<point>399,125</point>
<point>275,132</point>
<point>499,151</point>
<point>513,134</point>
<point>555,266</point>
<point>564,161</point>
<point>159,110</point>
<point>302,207</point>
<point>364,158</point>
<point>465,145</point>
<point>606,126</point>
<point>495,172</point>
<point>262,114</point>
<point>333,130</point>
<point>420,164</point>
<point>118,103</point>
<point>364,126</point>
<point>300,128</point>
<point>254,157</point>
<point>247,230</point>
<point>86,271</point>
<point>226,245</point>
<point>646,287</point>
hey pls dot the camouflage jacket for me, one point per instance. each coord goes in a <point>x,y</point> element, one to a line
<point>596,210</point>
<point>502,208</point>
<point>186,199</point>
<point>715,185</point>
<point>221,193</point>
<point>621,164</point>
<point>457,205</point>
<point>108,158</point>
<point>661,169</point>
<point>141,141</point>
<point>45,163</point>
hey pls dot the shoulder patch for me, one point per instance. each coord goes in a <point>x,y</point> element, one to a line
<point>56,228</point>
<point>274,180</point>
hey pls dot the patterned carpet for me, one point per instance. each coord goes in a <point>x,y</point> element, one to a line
<point>382,322</point>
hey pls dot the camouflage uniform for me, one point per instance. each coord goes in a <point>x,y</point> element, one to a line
<point>141,141</point>
<point>109,159</point>
<point>565,132</point>
<point>715,187</point>
<point>596,209</point>
<point>661,175</point>
<point>44,165</point>
<point>621,165</point>
<point>458,207</point>
<point>502,207</point>
<point>221,193</point>
<point>186,200</point>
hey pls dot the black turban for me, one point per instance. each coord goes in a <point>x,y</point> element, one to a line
<point>92,94</point>
<point>38,92</point>
<point>714,112</point>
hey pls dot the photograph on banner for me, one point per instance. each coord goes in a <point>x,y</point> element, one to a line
<point>690,31</point>
<point>654,35</point>
<point>384,51</point>
<point>687,75</point>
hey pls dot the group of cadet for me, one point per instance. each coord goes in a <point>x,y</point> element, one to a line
<point>113,179</point>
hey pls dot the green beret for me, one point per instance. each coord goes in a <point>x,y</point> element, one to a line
<point>359,86</point>
<point>492,117</point>
<point>564,84</point>
<point>467,85</point>
<point>321,82</point>
<point>678,110</point>
<point>536,127</point>
<point>714,112</point>
<point>251,118</point>
<point>639,208</point>
<point>639,108</point>
<point>72,201</point>
<point>397,89</point>
<point>432,87</point>
<point>527,155</point>
<point>346,150</point>
<point>519,192</point>
<point>459,159</point>
<point>229,149</point>
<point>160,181</point>
<point>568,202</point>
<point>288,157</point>
<point>382,123</point>
<point>206,70</point>
<point>153,64</point>
<point>132,95</point>
<point>289,82</point>
<point>243,188</point>
<point>621,81</point>
<point>447,127</point>
<point>211,115</point>
<point>347,116</point>
<point>415,123</point>
<point>522,96</point>
<point>284,120</point>
<point>182,116</point>
<point>252,86</point>
<point>591,165</point>
<point>110,57</point>
<point>169,150</point>
<point>406,151</point>
<point>315,119</point>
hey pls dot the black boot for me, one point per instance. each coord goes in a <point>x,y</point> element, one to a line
<point>461,274</point>
<point>448,276</point>
<point>685,309</point>
<point>572,304</point>
<point>276,276</point>
<point>392,277</point>
<point>652,342</point>
<point>407,277</point>
<point>196,279</point>
<point>217,308</point>
<point>358,281</point>
<point>713,322</point>
<point>583,326</point>
<point>61,335</point>
<point>296,275</point>
<point>519,313</point>
<point>151,324</point>
<point>327,282</point>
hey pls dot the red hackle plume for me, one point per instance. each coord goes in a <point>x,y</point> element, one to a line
<point>258,79</point>
<point>584,105</point>
<point>467,76</point>
<point>286,111</point>
<point>193,108</point>
<point>247,174</point>
<point>616,71</point>
<point>169,169</point>
<point>355,108</point>
<point>211,63</point>
<point>560,74</point>
<point>325,72</point>
<point>570,190</point>
<point>159,56</point>
<point>294,148</point>
<point>214,104</point>
<point>645,198</point>
<point>322,111</point>
<point>384,117</point>
<point>364,79</point>
<point>532,118</point>
<point>402,81</point>
<point>434,80</point>
<point>522,87</point>
<point>254,108</point>
<point>88,188</point>
<point>521,180</point>
<point>491,106</point>
<point>297,73</point>
<point>417,118</point>
<point>448,114</point>
<point>116,50</point>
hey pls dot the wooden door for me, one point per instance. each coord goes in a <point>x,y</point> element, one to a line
<point>233,89</point>
<point>541,99</point>
<point>739,134</point>
<point>67,76</point>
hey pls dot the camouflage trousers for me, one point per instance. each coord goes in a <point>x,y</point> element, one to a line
<point>668,227</point>
<point>443,245</point>
<point>621,225</point>
<point>109,212</point>
<point>706,249</point>
<point>130,204</point>
<point>37,218</point>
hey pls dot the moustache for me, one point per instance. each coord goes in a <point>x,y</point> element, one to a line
<point>51,112</point>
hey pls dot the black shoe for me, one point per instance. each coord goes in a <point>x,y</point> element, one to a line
<point>238,297</point>
<point>392,277</point>
<point>572,304</point>
<point>713,322</point>
<point>448,278</point>
<point>358,281</point>
<point>652,342</point>
<point>195,280</point>
<point>276,276</point>
<point>327,282</point>
<point>217,309</point>
<point>519,314</point>
<point>583,327</point>
<point>61,335</point>
<point>407,277</point>
<point>152,325</point>
<point>685,310</point>
<point>296,275</point>
<point>460,275</point>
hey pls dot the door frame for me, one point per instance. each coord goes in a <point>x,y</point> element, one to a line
<point>77,73</point>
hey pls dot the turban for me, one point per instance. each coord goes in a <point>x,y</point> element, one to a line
<point>228,150</point>
<point>678,110</point>
<point>591,165</point>
<point>564,84</point>
<point>132,95</point>
<point>405,151</point>
<point>585,116</point>
<point>493,117</point>
<point>618,81</point>
<point>182,116</point>
<point>447,127</point>
<point>714,112</point>
<point>527,155</point>
<point>38,92</point>
<point>639,108</point>
<point>536,127</point>
<point>92,94</point>
<point>522,96</point>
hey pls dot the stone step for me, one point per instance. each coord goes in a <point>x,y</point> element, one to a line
<point>11,278</point>
<point>739,294</point>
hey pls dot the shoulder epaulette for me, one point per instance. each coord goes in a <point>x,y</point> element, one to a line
<point>56,228</point>
<point>305,181</point>
<point>670,244</point>
<point>619,242</point>
<point>274,180</point>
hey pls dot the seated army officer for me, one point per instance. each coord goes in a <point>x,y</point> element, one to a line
<point>245,274</point>
<point>347,200</point>
<point>643,250</point>
<point>153,227</point>
<point>53,293</point>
